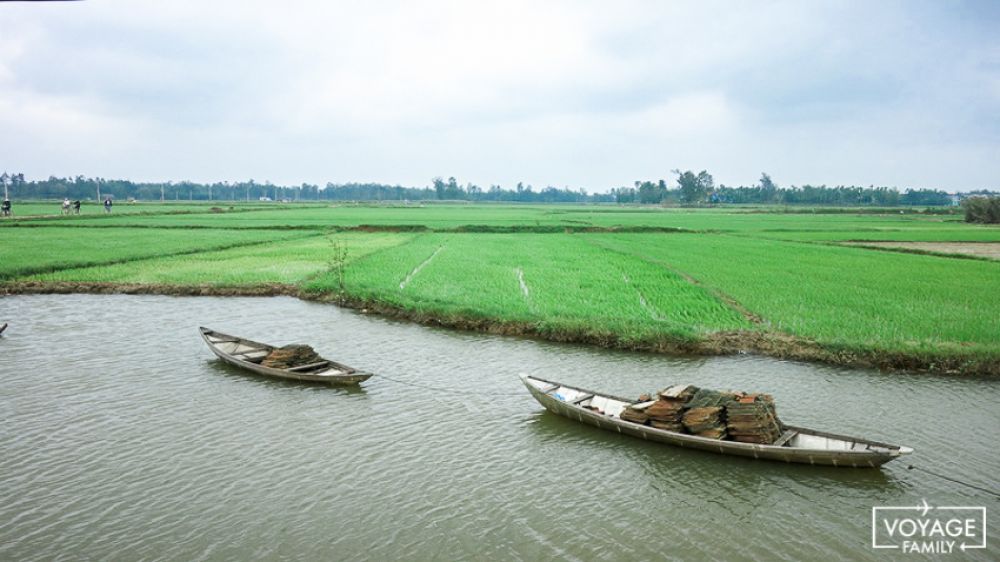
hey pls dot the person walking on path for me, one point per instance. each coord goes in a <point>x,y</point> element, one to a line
<point>76,207</point>
<point>5,208</point>
<point>65,206</point>
<point>107,205</point>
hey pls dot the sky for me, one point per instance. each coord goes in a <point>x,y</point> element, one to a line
<point>575,94</point>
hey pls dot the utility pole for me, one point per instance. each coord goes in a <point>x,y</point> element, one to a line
<point>98,182</point>
<point>161,193</point>
<point>5,178</point>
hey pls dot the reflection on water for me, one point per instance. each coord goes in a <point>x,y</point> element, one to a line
<point>123,437</point>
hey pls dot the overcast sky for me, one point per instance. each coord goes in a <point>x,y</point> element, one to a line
<point>578,94</point>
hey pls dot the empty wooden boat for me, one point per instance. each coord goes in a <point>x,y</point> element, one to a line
<point>796,444</point>
<point>248,354</point>
<point>2,328</point>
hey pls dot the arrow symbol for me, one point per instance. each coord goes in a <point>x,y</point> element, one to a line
<point>924,508</point>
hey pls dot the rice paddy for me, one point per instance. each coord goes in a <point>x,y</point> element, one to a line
<point>642,278</point>
<point>281,261</point>
<point>26,251</point>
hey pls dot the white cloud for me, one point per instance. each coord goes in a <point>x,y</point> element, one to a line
<point>588,94</point>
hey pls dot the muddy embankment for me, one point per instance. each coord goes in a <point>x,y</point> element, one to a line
<point>771,344</point>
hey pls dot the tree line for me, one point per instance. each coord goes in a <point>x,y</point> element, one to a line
<point>84,188</point>
<point>700,189</point>
<point>688,188</point>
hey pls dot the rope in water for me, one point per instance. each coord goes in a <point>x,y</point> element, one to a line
<point>463,393</point>
<point>950,479</point>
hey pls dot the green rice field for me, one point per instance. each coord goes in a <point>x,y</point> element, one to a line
<point>280,261</point>
<point>32,250</point>
<point>631,277</point>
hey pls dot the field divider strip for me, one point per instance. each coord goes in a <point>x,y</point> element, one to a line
<point>52,269</point>
<point>417,269</point>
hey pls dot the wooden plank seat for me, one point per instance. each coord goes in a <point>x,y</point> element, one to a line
<point>309,366</point>
<point>255,355</point>
<point>785,437</point>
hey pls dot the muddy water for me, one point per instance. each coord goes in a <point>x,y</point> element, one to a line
<point>122,438</point>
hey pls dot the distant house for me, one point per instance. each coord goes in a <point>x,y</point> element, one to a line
<point>956,199</point>
<point>265,198</point>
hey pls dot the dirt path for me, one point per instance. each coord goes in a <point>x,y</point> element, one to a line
<point>988,250</point>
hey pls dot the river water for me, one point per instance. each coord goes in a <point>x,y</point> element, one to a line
<point>124,438</point>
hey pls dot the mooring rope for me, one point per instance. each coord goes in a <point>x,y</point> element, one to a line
<point>956,481</point>
<point>464,393</point>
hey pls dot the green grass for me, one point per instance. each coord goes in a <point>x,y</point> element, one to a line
<point>567,284</point>
<point>32,250</point>
<point>287,262</point>
<point>837,295</point>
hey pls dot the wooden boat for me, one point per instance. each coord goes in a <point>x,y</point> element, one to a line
<point>796,444</point>
<point>2,328</point>
<point>248,355</point>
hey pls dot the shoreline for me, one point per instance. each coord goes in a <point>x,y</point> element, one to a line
<point>768,344</point>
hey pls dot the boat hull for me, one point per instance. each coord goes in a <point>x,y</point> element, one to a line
<point>350,378</point>
<point>839,458</point>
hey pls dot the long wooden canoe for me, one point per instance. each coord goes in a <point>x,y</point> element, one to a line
<point>248,354</point>
<point>3,327</point>
<point>798,445</point>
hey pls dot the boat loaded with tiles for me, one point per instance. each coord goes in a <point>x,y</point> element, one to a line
<point>248,354</point>
<point>796,444</point>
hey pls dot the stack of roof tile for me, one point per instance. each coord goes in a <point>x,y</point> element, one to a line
<point>291,356</point>
<point>705,422</point>
<point>667,411</point>
<point>751,419</point>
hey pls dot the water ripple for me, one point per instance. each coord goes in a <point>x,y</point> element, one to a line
<point>122,437</point>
